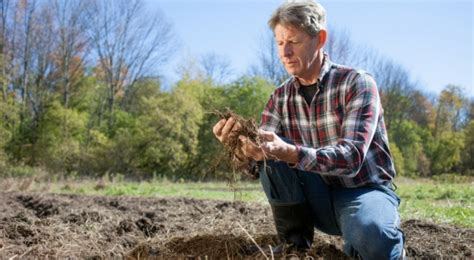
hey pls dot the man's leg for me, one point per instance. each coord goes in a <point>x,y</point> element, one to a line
<point>319,198</point>
<point>369,221</point>
<point>291,212</point>
<point>303,195</point>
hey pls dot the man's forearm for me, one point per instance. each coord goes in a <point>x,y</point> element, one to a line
<point>291,154</point>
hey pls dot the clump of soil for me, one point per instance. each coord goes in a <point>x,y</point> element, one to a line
<point>249,129</point>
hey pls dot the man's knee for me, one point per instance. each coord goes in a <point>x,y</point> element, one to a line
<point>373,240</point>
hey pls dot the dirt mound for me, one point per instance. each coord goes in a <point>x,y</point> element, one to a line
<point>42,207</point>
<point>442,240</point>
<point>71,226</point>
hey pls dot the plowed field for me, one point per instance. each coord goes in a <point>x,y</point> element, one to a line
<point>70,226</point>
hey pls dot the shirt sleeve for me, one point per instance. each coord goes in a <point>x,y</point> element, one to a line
<point>271,116</point>
<point>361,115</point>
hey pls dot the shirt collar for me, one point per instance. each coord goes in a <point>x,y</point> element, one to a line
<point>325,68</point>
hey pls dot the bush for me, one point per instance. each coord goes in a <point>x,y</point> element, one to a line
<point>61,133</point>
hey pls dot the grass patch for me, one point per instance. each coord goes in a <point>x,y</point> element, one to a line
<point>438,201</point>
<point>243,191</point>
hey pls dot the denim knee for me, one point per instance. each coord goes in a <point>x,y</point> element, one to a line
<point>373,240</point>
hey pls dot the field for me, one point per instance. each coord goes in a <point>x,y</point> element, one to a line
<point>162,219</point>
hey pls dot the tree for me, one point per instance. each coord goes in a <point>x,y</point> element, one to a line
<point>61,133</point>
<point>421,109</point>
<point>467,154</point>
<point>127,42</point>
<point>451,111</point>
<point>71,48</point>
<point>215,67</point>
<point>4,17</point>
<point>343,50</point>
<point>409,142</point>
<point>248,95</point>
<point>269,66</point>
<point>446,152</point>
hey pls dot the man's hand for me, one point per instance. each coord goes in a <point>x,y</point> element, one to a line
<point>225,128</point>
<point>272,147</point>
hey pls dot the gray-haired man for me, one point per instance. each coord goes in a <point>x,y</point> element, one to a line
<point>328,161</point>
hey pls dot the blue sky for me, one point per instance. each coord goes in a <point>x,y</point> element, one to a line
<point>433,40</point>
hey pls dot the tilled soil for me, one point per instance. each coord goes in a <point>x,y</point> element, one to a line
<point>70,226</point>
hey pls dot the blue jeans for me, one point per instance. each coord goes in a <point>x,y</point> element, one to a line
<point>366,218</point>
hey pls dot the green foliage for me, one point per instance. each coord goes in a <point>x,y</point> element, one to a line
<point>172,127</point>
<point>211,98</point>
<point>407,139</point>
<point>248,96</point>
<point>398,159</point>
<point>446,153</point>
<point>5,137</point>
<point>60,135</point>
<point>152,132</point>
<point>467,154</point>
<point>8,118</point>
<point>452,105</point>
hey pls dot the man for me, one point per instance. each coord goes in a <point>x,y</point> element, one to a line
<point>328,163</point>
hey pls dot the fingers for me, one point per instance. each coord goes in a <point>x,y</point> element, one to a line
<point>266,135</point>
<point>250,149</point>
<point>217,129</point>
<point>228,127</point>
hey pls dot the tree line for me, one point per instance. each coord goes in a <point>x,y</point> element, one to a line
<point>80,95</point>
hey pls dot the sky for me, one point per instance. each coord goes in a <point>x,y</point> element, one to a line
<point>432,39</point>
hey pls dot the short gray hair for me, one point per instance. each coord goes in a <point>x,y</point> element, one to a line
<point>306,15</point>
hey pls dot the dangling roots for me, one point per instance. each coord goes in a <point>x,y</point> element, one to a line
<point>248,129</point>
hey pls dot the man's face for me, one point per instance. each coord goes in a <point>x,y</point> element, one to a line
<point>297,50</point>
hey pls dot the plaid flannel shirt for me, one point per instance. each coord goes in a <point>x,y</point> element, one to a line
<point>341,135</point>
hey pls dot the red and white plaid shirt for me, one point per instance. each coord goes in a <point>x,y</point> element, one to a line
<point>341,135</point>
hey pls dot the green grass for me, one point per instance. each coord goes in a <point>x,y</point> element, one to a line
<point>439,201</point>
<point>243,191</point>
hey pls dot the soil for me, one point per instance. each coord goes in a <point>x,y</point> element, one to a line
<point>34,225</point>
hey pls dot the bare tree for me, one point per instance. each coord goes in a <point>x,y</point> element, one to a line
<point>42,65</point>
<point>127,42</point>
<point>25,15</point>
<point>216,68</point>
<point>269,66</point>
<point>452,110</point>
<point>4,15</point>
<point>339,46</point>
<point>72,43</point>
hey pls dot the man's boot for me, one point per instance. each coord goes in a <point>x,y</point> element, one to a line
<point>294,226</point>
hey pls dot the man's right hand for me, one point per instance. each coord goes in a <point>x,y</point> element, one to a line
<point>225,128</point>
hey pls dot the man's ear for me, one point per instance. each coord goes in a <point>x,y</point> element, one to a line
<point>323,34</point>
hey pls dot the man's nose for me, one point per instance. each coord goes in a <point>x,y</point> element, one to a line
<point>287,50</point>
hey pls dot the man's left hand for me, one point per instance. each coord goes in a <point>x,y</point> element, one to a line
<point>273,148</point>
